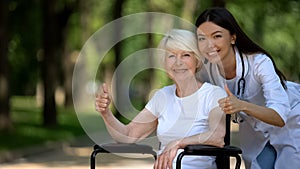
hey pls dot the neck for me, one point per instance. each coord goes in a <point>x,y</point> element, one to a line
<point>187,87</point>
<point>229,65</point>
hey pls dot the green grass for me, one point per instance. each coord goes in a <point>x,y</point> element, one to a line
<point>28,129</point>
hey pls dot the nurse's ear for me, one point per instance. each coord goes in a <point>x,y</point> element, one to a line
<point>233,39</point>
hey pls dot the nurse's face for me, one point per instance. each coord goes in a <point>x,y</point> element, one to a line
<point>214,42</point>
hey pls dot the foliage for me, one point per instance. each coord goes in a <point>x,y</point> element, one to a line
<point>271,23</point>
<point>25,27</point>
<point>27,131</point>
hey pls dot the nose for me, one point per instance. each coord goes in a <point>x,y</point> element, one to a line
<point>210,43</point>
<point>178,60</point>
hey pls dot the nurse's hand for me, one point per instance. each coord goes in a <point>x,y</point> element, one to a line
<point>165,159</point>
<point>230,104</point>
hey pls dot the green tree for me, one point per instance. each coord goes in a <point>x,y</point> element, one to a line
<point>5,120</point>
<point>55,18</point>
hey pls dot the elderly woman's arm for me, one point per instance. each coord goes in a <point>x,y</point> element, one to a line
<point>214,136</point>
<point>139,128</point>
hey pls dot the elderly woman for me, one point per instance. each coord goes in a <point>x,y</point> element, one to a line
<point>184,113</point>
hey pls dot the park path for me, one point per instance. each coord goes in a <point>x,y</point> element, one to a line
<point>76,155</point>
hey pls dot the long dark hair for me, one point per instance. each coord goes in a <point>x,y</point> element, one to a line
<point>223,18</point>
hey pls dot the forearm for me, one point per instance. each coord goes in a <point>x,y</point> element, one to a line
<point>117,130</point>
<point>139,128</point>
<point>232,104</point>
<point>207,138</point>
<point>264,114</point>
<point>134,131</point>
<point>214,136</point>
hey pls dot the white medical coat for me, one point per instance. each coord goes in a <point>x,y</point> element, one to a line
<point>263,88</point>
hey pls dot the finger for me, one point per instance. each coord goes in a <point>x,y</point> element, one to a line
<point>155,164</point>
<point>223,103</point>
<point>104,88</point>
<point>171,158</point>
<point>165,160</point>
<point>104,96</point>
<point>159,162</point>
<point>228,110</point>
<point>223,100</point>
<point>227,90</point>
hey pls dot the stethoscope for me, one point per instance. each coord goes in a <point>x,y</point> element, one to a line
<point>236,118</point>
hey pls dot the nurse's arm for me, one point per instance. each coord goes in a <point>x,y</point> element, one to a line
<point>232,104</point>
<point>264,114</point>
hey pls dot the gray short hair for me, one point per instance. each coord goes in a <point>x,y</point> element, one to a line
<point>180,39</point>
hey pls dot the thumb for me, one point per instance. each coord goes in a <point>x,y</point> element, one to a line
<point>104,88</point>
<point>227,90</point>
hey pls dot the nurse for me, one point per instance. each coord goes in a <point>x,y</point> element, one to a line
<point>266,106</point>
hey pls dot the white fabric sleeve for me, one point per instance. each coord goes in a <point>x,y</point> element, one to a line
<point>274,93</point>
<point>157,103</point>
<point>215,95</point>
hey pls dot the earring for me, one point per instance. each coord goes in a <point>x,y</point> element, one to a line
<point>233,41</point>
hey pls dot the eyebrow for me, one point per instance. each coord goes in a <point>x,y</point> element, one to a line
<point>199,34</point>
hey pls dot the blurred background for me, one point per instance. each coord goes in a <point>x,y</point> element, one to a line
<point>40,41</point>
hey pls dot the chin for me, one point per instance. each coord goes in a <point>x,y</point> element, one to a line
<point>214,60</point>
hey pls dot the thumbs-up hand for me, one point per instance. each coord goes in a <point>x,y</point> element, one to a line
<point>229,104</point>
<point>103,100</point>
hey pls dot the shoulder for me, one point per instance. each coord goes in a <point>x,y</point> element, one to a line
<point>163,92</point>
<point>260,59</point>
<point>261,64</point>
<point>213,90</point>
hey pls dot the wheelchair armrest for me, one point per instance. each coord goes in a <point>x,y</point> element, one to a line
<point>200,149</point>
<point>121,148</point>
<point>222,154</point>
<point>124,148</point>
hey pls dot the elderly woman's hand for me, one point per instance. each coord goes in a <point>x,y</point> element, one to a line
<point>165,159</point>
<point>103,100</point>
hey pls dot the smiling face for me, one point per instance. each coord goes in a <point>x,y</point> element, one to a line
<point>214,42</point>
<point>180,65</point>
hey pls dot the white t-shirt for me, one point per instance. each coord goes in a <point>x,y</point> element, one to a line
<point>183,117</point>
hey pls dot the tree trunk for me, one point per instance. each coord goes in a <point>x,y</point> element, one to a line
<point>70,57</point>
<point>68,66</point>
<point>54,31</point>
<point>5,120</point>
<point>49,66</point>
<point>117,13</point>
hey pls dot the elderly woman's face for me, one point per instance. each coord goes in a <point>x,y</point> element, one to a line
<point>180,64</point>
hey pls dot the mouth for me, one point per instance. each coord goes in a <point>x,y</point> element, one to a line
<point>213,53</point>
<point>180,70</point>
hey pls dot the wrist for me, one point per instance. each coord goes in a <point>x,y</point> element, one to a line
<point>180,144</point>
<point>243,106</point>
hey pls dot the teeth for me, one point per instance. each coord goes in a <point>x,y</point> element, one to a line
<point>179,70</point>
<point>213,53</point>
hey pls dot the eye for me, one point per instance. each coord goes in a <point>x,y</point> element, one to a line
<point>201,38</point>
<point>186,54</point>
<point>218,36</point>
<point>171,56</point>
